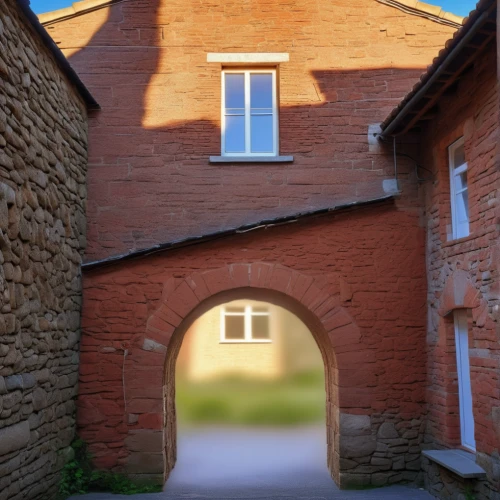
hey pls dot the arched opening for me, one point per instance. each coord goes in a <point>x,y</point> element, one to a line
<point>250,402</point>
<point>150,362</point>
<point>238,297</point>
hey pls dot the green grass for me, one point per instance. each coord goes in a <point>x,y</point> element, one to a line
<point>296,400</point>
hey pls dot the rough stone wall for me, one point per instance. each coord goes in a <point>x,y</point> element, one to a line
<point>43,155</point>
<point>370,262</point>
<point>146,62</point>
<point>465,272</point>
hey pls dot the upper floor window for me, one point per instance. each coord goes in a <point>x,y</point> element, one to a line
<point>459,192</point>
<point>249,113</point>
<point>245,324</point>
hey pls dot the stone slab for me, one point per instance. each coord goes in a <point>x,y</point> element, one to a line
<point>251,159</point>
<point>248,57</point>
<point>460,462</point>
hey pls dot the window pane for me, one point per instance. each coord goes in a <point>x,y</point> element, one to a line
<point>235,90</point>
<point>459,156</point>
<point>462,206</point>
<point>235,134</point>
<point>260,309</point>
<point>262,134</point>
<point>235,309</point>
<point>461,181</point>
<point>235,327</point>
<point>261,90</point>
<point>260,327</point>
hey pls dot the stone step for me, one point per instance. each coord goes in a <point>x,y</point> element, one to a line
<point>460,462</point>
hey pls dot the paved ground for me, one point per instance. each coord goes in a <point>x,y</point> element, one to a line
<point>224,464</point>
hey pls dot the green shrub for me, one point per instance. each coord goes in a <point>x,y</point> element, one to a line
<point>211,409</point>
<point>79,477</point>
<point>76,474</point>
<point>280,413</point>
<point>298,399</point>
<point>120,484</point>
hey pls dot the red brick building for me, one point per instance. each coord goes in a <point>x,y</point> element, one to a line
<point>453,114</point>
<point>218,118</point>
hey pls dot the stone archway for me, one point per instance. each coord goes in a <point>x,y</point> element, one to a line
<point>150,363</point>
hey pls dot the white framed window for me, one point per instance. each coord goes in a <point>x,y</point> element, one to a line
<point>459,192</point>
<point>464,381</point>
<point>249,113</point>
<point>245,324</point>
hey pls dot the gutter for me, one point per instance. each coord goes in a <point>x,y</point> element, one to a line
<point>263,224</point>
<point>389,129</point>
<point>61,60</point>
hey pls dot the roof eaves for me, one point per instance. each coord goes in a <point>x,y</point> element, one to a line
<point>263,224</point>
<point>446,55</point>
<point>431,12</point>
<point>410,6</point>
<point>61,60</point>
<point>76,9</point>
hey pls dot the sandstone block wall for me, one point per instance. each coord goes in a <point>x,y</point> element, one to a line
<point>43,155</point>
<point>465,273</point>
<point>146,62</point>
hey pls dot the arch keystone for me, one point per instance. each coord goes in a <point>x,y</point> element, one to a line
<point>458,293</point>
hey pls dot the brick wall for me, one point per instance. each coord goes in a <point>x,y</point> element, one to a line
<point>360,278</point>
<point>467,268</point>
<point>369,263</point>
<point>43,154</point>
<point>145,61</point>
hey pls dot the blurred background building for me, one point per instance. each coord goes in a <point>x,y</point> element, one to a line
<point>249,363</point>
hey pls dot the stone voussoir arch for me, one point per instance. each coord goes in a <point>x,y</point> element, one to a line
<point>460,292</point>
<point>149,371</point>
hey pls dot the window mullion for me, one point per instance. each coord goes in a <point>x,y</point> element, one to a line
<point>223,113</point>
<point>275,114</point>
<point>248,323</point>
<point>222,324</point>
<point>247,112</point>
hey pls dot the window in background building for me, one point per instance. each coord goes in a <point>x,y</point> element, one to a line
<point>249,113</point>
<point>245,324</point>
<point>459,193</point>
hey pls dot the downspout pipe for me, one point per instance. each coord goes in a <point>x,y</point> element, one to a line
<point>470,33</point>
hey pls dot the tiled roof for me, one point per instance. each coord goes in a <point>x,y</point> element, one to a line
<point>410,6</point>
<point>224,233</point>
<point>478,29</point>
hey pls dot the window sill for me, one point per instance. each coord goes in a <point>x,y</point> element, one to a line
<point>460,462</point>
<point>457,241</point>
<point>251,159</point>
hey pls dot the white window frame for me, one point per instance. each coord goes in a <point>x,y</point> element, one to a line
<point>460,229</point>
<point>247,73</point>
<point>465,400</point>
<point>247,314</point>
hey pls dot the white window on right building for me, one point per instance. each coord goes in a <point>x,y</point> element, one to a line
<point>464,381</point>
<point>459,193</point>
